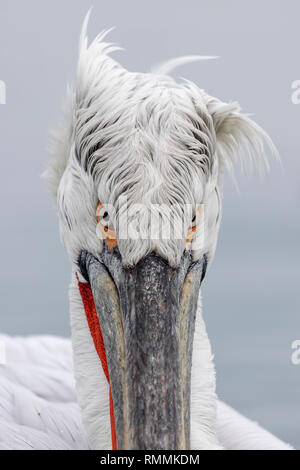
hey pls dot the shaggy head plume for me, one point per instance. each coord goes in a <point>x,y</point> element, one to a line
<point>149,139</point>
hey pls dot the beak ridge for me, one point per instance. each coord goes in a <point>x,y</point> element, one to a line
<point>147,317</point>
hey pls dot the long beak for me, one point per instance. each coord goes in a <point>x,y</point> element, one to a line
<point>147,318</point>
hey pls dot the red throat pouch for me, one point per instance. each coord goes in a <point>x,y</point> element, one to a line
<point>95,329</point>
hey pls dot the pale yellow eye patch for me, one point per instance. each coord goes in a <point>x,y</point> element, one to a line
<point>192,230</point>
<point>108,234</point>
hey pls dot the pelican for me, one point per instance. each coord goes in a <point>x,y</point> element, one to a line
<point>136,176</point>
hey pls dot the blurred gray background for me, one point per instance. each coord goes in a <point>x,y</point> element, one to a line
<point>251,295</point>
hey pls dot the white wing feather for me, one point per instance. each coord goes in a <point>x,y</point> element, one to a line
<point>39,410</point>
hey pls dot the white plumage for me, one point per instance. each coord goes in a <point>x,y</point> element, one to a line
<point>39,410</point>
<point>157,142</point>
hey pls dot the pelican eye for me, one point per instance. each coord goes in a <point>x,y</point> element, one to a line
<point>105,229</point>
<point>105,216</point>
<point>192,229</point>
